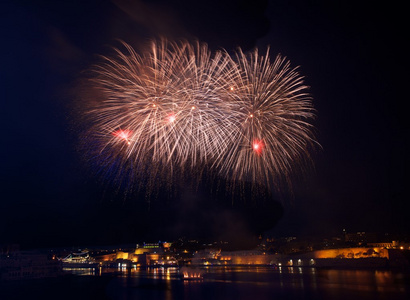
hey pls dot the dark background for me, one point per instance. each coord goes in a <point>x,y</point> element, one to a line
<point>352,54</point>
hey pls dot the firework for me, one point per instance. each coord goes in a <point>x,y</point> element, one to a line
<point>178,107</point>
<point>275,110</point>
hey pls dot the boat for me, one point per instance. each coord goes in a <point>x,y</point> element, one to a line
<point>79,260</point>
<point>191,274</point>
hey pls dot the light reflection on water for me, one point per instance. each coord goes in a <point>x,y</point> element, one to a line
<point>154,273</point>
<point>80,271</point>
<point>256,283</point>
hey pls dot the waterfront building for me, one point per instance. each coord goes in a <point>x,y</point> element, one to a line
<point>28,265</point>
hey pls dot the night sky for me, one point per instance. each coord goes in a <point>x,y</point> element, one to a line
<point>352,56</point>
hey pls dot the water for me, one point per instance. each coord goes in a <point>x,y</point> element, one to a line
<point>256,283</point>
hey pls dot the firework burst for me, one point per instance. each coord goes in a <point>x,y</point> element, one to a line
<point>177,107</point>
<point>275,110</point>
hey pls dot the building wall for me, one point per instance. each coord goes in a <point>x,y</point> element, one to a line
<point>351,253</point>
<point>252,259</point>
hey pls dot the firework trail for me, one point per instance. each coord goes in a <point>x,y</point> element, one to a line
<point>177,107</point>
